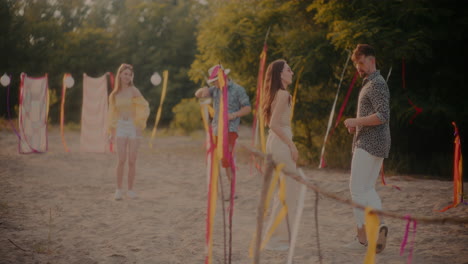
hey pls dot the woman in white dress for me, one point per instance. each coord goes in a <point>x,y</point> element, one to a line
<point>276,109</point>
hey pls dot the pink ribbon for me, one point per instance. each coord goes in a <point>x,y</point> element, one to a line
<point>405,238</point>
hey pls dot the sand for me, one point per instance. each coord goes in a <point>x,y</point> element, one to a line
<point>58,207</point>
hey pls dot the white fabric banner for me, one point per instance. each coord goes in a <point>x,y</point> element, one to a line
<point>94,114</point>
<point>33,113</point>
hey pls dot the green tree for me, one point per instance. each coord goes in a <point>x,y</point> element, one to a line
<point>320,35</point>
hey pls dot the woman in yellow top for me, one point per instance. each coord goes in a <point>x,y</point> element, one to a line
<point>128,113</point>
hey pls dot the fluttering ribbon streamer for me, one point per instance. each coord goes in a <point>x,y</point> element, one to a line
<point>211,171</point>
<point>382,177</point>
<point>281,215</point>
<point>158,114</point>
<point>389,73</point>
<point>258,125</point>
<point>8,111</point>
<point>211,208</point>
<point>208,134</point>
<point>272,187</point>
<point>111,80</point>
<point>270,192</point>
<point>342,108</point>
<point>221,151</point>
<point>405,238</point>
<point>345,102</point>
<point>297,219</point>
<point>332,113</point>
<point>296,88</point>
<point>62,111</point>
<point>223,120</point>
<point>372,233</point>
<point>457,171</point>
<point>416,108</point>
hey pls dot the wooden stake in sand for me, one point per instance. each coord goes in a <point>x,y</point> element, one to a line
<point>224,215</point>
<point>261,207</point>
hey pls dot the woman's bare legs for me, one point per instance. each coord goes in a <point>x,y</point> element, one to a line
<point>133,145</point>
<point>122,155</point>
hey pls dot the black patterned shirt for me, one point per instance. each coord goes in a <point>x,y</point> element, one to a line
<point>374,98</point>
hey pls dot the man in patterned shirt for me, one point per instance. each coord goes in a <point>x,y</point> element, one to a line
<point>371,143</point>
<point>238,106</point>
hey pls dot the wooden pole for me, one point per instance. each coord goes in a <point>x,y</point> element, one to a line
<point>261,207</point>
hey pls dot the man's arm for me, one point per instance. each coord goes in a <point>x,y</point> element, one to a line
<point>380,100</point>
<point>372,120</point>
<point>202,92</point>
<point>245,110</point>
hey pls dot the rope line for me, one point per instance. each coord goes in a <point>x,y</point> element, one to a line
<point>419,219</point>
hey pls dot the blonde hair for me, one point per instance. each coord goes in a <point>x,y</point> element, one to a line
<point>117,84</point>
<point>271,87</point>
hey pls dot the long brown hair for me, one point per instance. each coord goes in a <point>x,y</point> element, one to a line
<point>271,87</point>
<point>117,84</point>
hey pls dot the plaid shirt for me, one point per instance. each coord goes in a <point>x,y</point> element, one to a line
<point>237,98</point>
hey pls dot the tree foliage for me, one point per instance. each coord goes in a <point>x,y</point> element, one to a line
<point>428,35</point>
<point>95,37</point>
<point>187,37</point>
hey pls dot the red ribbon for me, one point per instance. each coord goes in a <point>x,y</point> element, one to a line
<point>261,73</point>
<point>457,172</point>
<point>382,177</point>
<point>323,164</point>
<point>416,108</point>
<point>345,102</point>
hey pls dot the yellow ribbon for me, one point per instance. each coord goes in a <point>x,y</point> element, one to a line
<point>296,87</point>
<point>283,212</point>
<point>272,187</point>
<point>372,228</point>
<point>219,144</point>
<point>48,98</point>
<point>213,200</point>
<point>62,112</point>
<point>158,114</point>
<point>260,114</point>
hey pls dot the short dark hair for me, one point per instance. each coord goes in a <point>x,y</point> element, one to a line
<point>363,49</point>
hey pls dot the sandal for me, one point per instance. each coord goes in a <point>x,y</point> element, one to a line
<point>382,240</point>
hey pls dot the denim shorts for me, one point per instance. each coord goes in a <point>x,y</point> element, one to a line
<point>126,129</point>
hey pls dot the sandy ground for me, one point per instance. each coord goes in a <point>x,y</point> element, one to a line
<point>58,207</point>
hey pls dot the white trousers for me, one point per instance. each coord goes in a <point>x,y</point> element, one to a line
<point>365,170</point>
